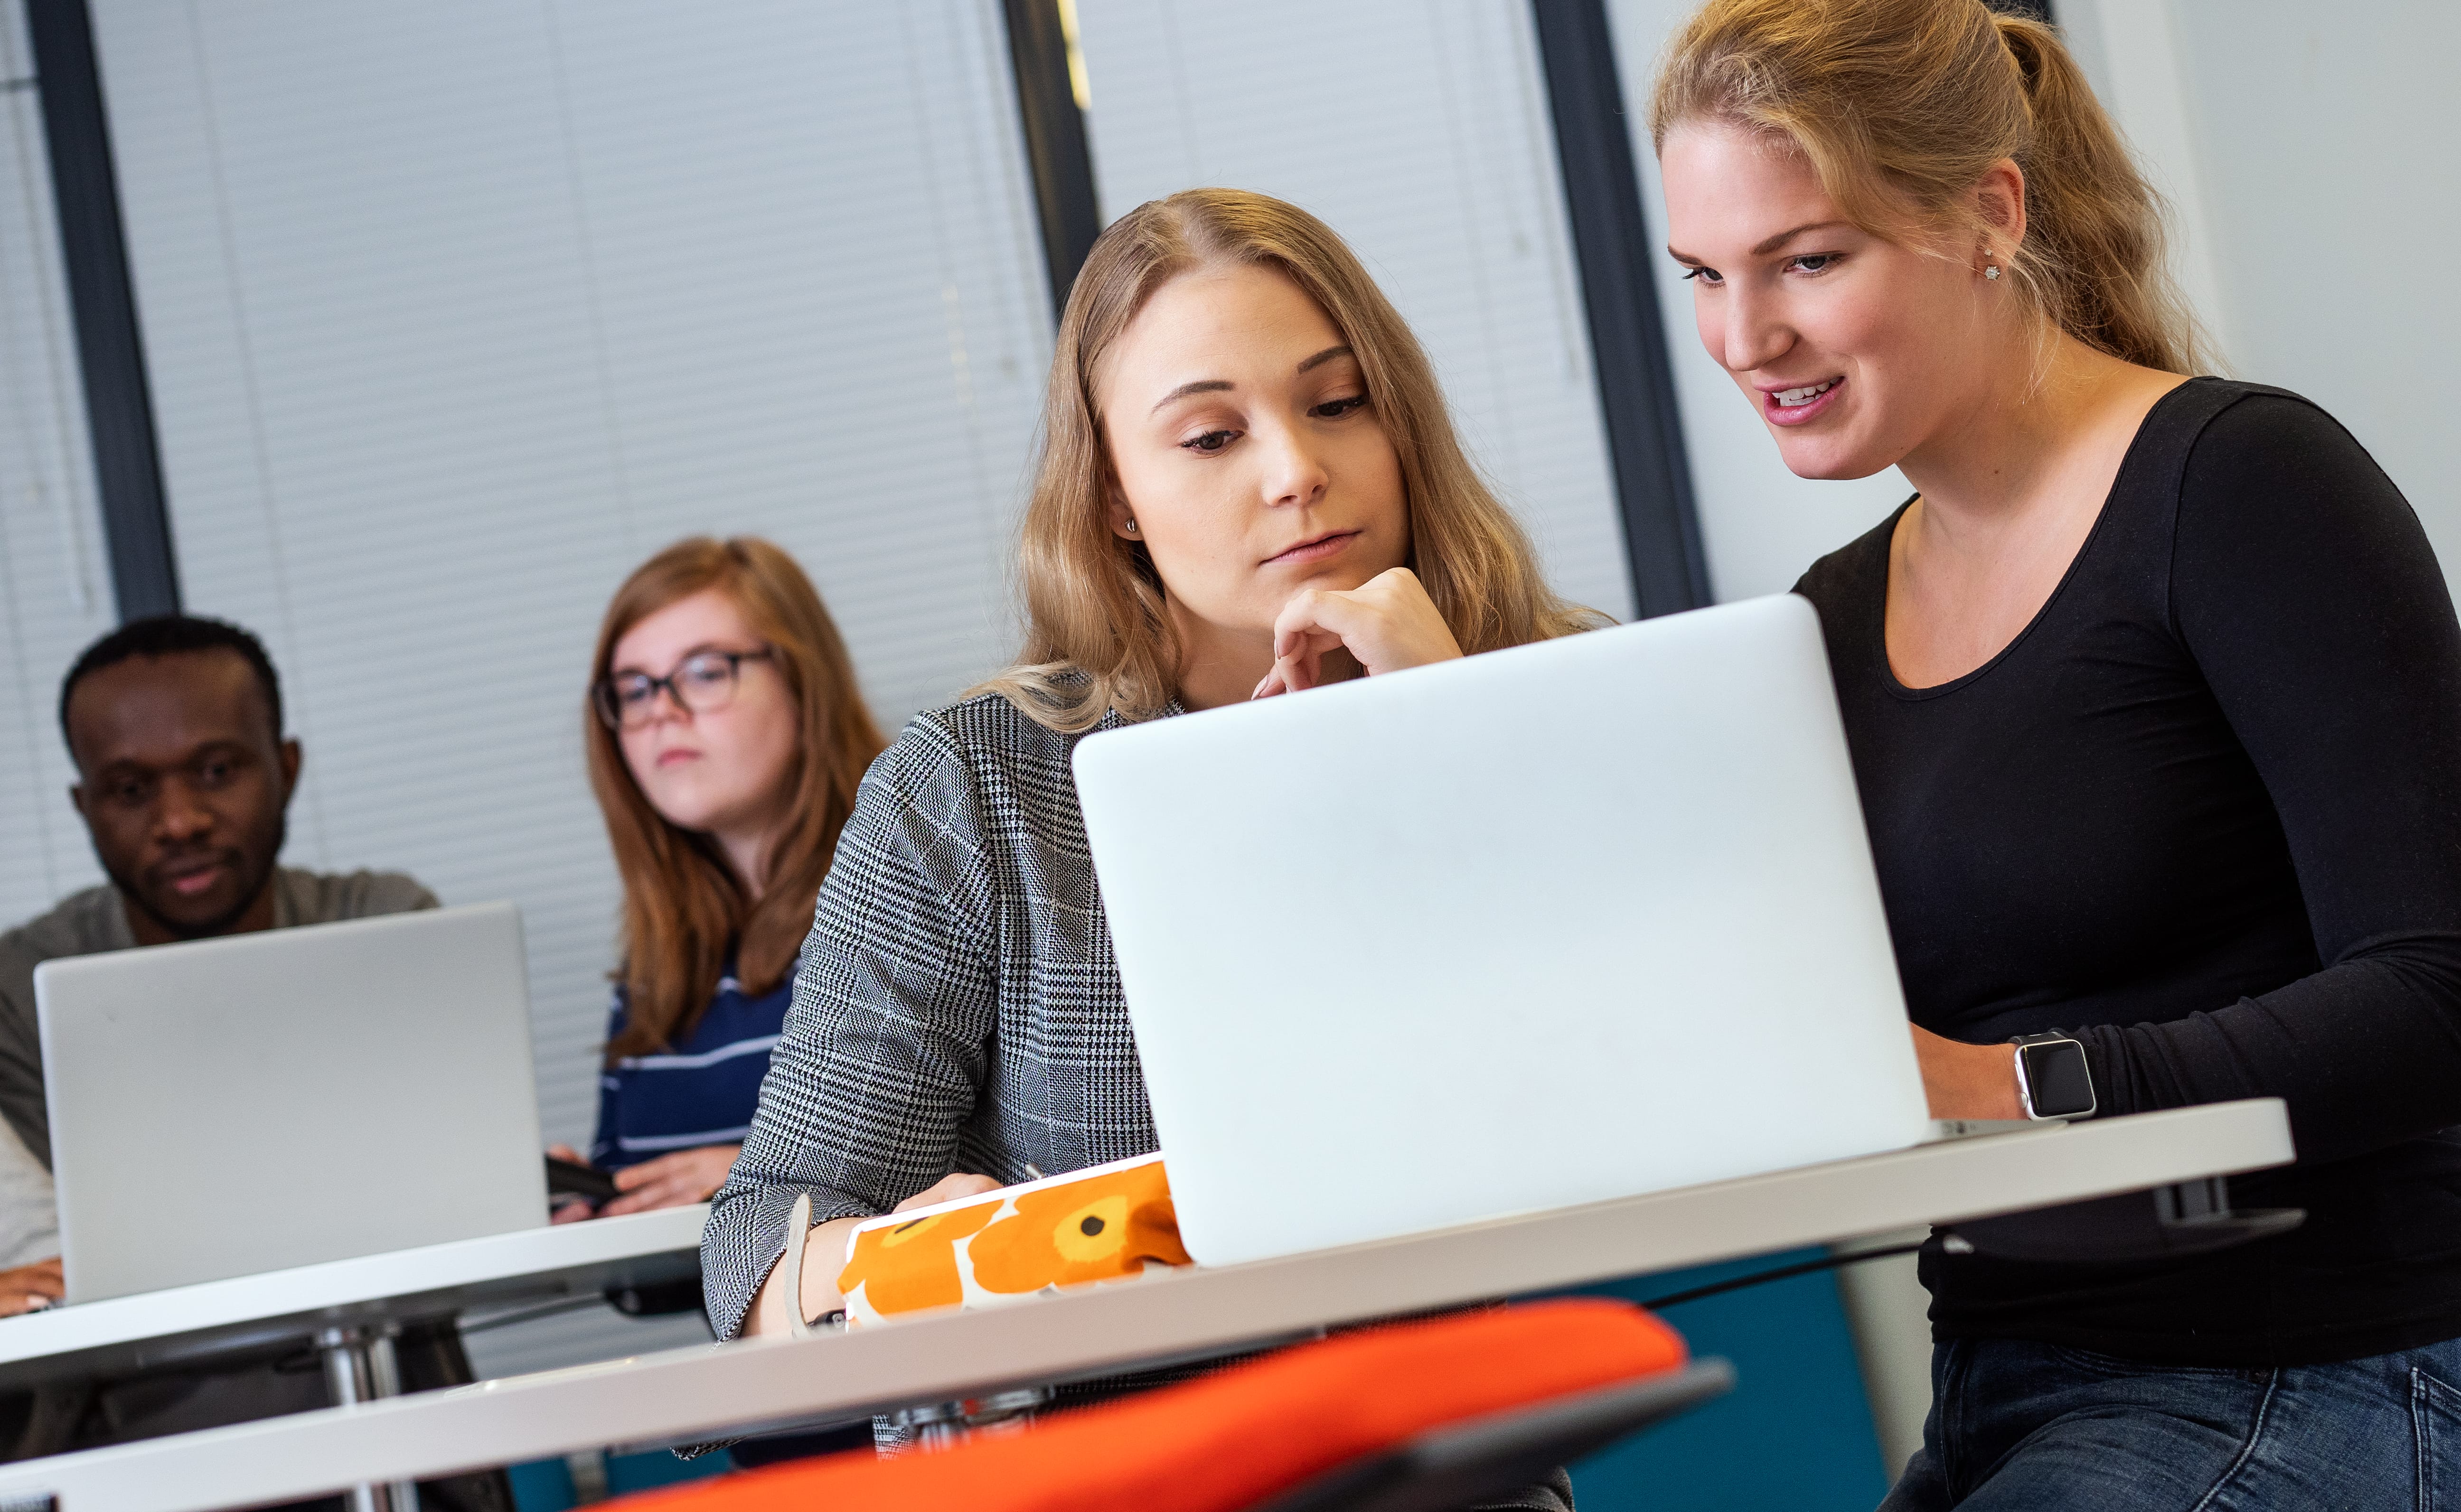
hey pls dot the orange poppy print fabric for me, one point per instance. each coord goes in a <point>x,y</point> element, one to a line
<point>913,1265</point>
<point>1103,1224</point>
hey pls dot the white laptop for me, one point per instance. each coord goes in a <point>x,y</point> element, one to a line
<point>274,1099</point>
<point>1555,924</point>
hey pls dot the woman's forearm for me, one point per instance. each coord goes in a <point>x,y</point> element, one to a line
<point>823,1256</point>
<point>1967,1081</point>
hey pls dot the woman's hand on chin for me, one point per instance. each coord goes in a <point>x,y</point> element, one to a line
<point>1386,624</point>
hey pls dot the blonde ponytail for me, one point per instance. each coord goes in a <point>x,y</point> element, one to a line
<point>1900,106</point>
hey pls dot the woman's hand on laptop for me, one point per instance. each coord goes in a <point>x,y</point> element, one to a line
<point>673,1180</point>
<point>1386,624</point>
<point>26,1287</point>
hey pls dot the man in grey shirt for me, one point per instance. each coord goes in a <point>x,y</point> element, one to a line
<point>183,781</point>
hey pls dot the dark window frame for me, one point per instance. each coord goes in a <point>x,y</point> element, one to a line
<point>103,306</point>
<point>1614,256</point>
<point>1058,153</point>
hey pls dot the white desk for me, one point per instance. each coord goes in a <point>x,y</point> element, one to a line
<point>684,1394</point>
<point>186,1324</point>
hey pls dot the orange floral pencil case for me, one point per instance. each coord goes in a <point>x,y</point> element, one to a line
<point>1105,1223</point>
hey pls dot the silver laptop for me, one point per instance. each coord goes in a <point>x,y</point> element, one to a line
<point>1560,924</point>
<point>274,1099</point>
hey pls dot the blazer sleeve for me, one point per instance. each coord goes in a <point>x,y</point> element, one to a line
<point>884,1053</point>
<point>2307,592</point>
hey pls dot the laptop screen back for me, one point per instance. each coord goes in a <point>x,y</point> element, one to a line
<point>1551,926</point>
<point>274,1099</point>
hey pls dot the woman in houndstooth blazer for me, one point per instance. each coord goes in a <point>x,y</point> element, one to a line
<point>1249,485</point>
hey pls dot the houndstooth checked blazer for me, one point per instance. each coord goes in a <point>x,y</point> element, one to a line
<point>957,1007</point>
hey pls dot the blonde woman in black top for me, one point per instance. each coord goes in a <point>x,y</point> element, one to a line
<point>2154,696</point>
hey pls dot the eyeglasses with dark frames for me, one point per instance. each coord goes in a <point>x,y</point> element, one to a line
<point>701,683</point>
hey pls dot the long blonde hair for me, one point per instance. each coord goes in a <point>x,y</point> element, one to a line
<point>1899,106</point>
<point>1097,637</point>
<point>683,905</point>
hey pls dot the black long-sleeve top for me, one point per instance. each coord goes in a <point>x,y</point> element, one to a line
<point>2205,814</point>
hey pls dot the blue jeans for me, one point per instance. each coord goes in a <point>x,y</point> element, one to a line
<point>2018,1427</point>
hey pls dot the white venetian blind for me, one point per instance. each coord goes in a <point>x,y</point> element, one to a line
<point>54,589</point>
<point>456,311</point>
<point>1418,129</point>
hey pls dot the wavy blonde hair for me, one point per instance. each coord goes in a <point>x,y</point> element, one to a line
<point>1900,106</point>
<point>1097,637</point>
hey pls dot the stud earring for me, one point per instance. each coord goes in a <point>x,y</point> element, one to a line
<point>1991,270</point>
<point>1132,527</point>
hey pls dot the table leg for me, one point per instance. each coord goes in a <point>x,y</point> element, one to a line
<point>360,1367</point>
<point>944,1425</point>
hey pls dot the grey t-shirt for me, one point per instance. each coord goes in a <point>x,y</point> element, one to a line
<point>95,919</point>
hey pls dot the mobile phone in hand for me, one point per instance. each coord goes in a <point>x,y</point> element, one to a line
<point>570,1179</point>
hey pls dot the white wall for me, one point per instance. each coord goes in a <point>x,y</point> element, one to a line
<point>1419,131</point>
<point>2310,167</point>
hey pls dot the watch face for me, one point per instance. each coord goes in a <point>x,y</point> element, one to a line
<point>2062,1084</point>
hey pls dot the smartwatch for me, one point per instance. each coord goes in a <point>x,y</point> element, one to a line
<point>2053,1080</point>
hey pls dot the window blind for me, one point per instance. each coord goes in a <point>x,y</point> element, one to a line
<point>55,593</point>
<point>1419,130</point>
<point>457,311</point>
<point>54,597</point>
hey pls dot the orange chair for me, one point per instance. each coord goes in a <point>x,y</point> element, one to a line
<point>1398,1418</point>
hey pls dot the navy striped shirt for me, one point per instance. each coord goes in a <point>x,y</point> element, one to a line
<point>699,1092</point>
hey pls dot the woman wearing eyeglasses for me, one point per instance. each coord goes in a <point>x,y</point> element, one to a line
<point>726,738</point>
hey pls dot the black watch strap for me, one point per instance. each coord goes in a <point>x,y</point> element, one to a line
<point>2054,1079</point>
